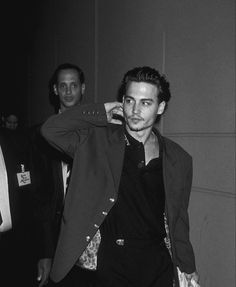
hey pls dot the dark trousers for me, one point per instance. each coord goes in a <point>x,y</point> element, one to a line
<point>77,277</point>
<point>18,262</point>
<point>143,264</point>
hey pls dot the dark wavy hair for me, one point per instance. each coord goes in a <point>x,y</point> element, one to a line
<point>148,75</point>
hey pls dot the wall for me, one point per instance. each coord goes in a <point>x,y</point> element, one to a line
<point>200,60</point>
<point>193,42</point>
<point>65,33</point>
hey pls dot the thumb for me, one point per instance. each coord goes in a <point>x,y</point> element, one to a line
<point>39,277</point>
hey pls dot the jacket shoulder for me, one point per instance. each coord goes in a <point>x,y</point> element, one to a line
<point>175,149</point>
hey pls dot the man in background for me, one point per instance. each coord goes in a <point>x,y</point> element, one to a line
<point>18,228</point>
<point>67,87</point>
<point>11,121</point>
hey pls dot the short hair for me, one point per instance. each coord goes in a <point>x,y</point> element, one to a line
<point>54,80</point>
<point>148,75</point>
<point>68,66</point>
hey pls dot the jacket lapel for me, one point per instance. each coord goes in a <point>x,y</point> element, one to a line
<point>169,162</point>
<point>115,153</point>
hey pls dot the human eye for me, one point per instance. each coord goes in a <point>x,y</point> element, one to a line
<point>74,85</point>
<point>62,86</point>
<point>128,100</point>
<point>146,103</point>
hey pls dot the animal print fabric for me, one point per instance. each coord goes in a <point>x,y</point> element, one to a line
<point>88,259</point>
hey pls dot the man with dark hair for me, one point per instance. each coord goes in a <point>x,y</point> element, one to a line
<point>128,182</point>
<point>64,96</point>
<point>11,121</point>
<point>68,86</point>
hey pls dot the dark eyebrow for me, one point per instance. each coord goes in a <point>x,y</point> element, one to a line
<point>126,96</point>
<point>143,99</point>
<point>149,100</point>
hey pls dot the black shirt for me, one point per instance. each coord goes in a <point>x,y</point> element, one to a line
<point>138,212</point>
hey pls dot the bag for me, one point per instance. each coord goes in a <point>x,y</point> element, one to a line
<point>183,280</point>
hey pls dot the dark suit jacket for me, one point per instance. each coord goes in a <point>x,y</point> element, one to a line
<point>50,192</point>
<point>97,149</point>
<point>18,246</point>
<point>16,151</point>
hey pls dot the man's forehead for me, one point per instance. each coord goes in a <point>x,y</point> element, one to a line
<point>144,88</point>
<point>68,74</point>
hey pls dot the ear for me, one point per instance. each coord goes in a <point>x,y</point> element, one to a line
<point>55,89</point>
<point>82,88</point>
<point>161,108</point>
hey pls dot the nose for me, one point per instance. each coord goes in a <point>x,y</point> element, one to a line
<point>68,90</point>
<point>135,108</point>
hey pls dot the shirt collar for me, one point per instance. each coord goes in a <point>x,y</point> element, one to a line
<point>131,141</point>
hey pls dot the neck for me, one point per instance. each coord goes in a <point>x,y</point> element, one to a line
<point>143,136</point>
<point>62,109</point>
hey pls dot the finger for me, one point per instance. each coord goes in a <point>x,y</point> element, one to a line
<point>43,282</point>
<point>39,277</point>
<point>117,122</point>
<point>118,111</point>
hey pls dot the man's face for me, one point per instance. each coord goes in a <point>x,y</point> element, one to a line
<point>140,106</point>
<point>69,88</point>
<point>11,122</point>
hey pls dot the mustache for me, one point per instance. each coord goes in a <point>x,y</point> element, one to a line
<point>135,118</point>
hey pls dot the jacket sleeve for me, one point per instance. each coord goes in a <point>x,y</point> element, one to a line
<point>184,251</point>
<point>43,187</point>
<point>70,128</point>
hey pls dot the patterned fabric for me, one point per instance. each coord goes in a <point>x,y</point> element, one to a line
<point>88,259</point>
<point>181,275</point>
<point>167,238</point>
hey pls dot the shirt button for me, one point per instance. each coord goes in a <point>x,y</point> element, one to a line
<point>87,238</point>
<point>112,199</point>
<point>141,164</point>
<point>104,213</point>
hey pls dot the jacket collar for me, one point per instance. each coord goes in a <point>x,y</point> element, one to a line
<point>117,135</point>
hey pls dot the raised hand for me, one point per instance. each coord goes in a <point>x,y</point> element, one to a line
<point>114,111</point>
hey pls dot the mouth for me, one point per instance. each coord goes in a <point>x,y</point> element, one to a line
<point>135,120</point>
<point>69,98</point>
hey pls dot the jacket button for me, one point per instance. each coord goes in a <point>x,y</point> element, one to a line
<point>96,226</point>
<point>87,238</point>
<point>112,199</point>
<point>104,213</point>
<point>120,242</point>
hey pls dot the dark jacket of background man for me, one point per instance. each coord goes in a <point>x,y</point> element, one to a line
<point>19,245</point>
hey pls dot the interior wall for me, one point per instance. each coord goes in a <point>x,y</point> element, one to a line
<point>65,33</point>
<point>200,60</point>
